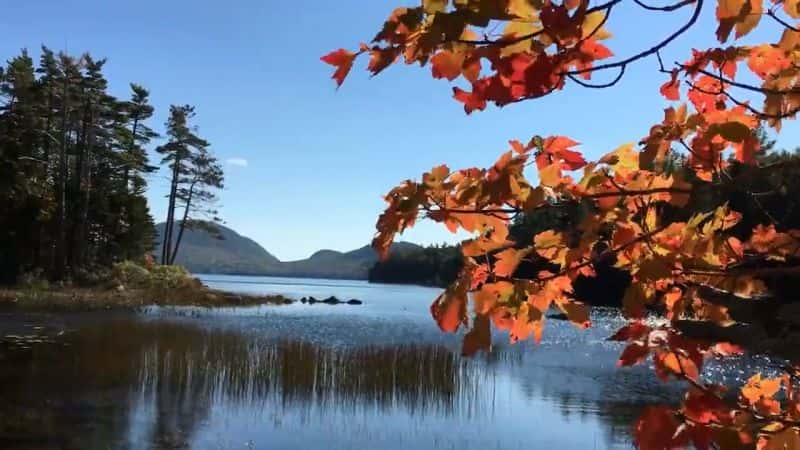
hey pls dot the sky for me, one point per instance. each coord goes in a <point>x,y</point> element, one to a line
<point>306,164</point>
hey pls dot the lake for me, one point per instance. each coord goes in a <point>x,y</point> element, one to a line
<point>375,376</point>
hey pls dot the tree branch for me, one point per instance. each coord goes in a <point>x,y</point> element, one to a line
<point>651,50</point>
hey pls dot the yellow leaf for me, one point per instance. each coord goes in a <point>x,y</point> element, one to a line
<point>651,219</point>
<point>522,8</point>
<point>750,19</point>
<point>591,23</point>
<point>434,6</point>
<point>516,29</point>
<point>624,159</point>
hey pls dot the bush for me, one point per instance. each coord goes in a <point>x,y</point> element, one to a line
<point>131,274</point>
<point>170,277</point>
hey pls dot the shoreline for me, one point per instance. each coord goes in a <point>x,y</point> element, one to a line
<point>83,299</point>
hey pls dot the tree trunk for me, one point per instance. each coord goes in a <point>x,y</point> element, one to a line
<point>45,250</point>
<point>59,268</point>
<point>183,223</point>
<point>167,245</point>
<point>76,250</point>
<point>126,171</point>
<point>81,237</point>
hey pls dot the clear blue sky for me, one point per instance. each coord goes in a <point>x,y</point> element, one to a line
<point>319,160</point>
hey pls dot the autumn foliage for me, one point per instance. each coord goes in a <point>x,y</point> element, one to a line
<point>507,51</point>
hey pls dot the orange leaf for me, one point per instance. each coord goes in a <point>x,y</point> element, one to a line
<point>508,260</point>
<point>447,64</point>
<point>670,90</point>
<point>450,308</point>
<point>757,388</point>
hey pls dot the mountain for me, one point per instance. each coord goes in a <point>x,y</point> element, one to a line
<point>201,253</point>
<point>236,254</point>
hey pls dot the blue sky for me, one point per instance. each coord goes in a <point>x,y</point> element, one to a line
<point>307,163</point>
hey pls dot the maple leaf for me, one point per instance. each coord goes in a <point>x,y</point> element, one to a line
<point>577,313</point>
<point>657,429</point>
<point>491,295</point>
<point>447,64</point>
<point>523,9</point>
<point>672,363</point>
<point>343,60</point>
<point>757,388</point>
<point>786,439</point>
<point>631,332</point>
<point>436,176</point>
<point>670,90</point>
<point>792,8</point>
<point>449,310</point>
<point>528,321</point>
<point>592,26</point>
<point>508,260</point>
<point>434,6</point>
<point>634,353</point>
<point>472,101</point>
<point>559,148</point>
<point>767,61</point>
<point>478,338</point>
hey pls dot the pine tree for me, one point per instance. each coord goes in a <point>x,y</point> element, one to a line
<point>193,172</point>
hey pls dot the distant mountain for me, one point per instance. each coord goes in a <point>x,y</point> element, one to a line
<point>236,254</point>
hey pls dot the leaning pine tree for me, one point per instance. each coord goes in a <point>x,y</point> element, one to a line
<point>703,267</point>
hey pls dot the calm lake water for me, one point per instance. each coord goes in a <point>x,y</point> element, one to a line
<point>375,376</point>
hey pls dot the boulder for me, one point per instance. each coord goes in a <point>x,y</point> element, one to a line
<point>353,301</point>
<point>332,300</point>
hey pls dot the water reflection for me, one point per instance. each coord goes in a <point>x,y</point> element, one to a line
<point>132,382</point>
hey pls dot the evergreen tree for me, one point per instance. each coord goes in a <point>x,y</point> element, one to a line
<point>193,173</point>
<point>72,168</point>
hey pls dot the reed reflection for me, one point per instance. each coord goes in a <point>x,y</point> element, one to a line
<point>126,381</point>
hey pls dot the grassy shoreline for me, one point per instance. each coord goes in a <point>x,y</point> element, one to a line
<point>78,299</point>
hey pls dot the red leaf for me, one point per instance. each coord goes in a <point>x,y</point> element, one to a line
<point>630,332</point>
<point>381,58</point>
<point>657,429</point>
<point>343,60</point>
<point>470,100</point>
<point>634,353</point>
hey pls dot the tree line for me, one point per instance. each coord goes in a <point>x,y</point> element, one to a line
<point>74,169</point>
<point>435,265</point>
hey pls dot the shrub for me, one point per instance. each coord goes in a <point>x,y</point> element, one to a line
<point>131,274</point>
